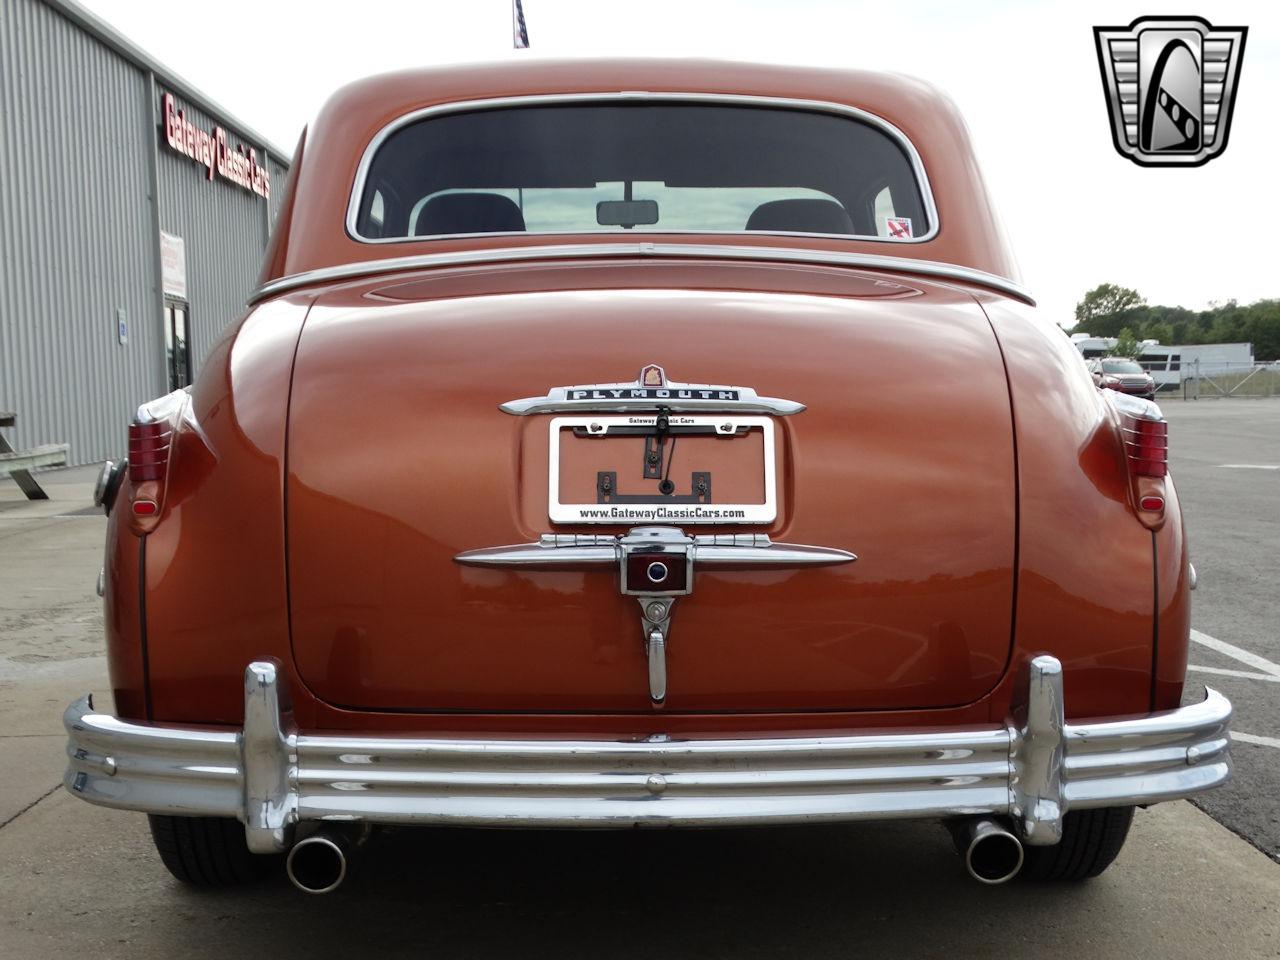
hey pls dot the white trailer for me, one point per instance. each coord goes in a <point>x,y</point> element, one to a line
<point>1168,364</point>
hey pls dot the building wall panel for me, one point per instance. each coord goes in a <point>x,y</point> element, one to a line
<point>76,244</point>
<point>79,127</point>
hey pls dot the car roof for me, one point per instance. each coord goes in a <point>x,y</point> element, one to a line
<point>310,233</point>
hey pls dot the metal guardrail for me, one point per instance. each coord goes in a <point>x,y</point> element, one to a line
<point>1222,379</point>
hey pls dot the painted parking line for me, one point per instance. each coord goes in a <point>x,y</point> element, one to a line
<point>1263,669</point>
<point>1248,466</point>
<point>1254,738</point>
<point>1227,672</point>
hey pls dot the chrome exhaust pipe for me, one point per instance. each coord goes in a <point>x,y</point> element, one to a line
<point>318,863</point>
<point>991,853</point>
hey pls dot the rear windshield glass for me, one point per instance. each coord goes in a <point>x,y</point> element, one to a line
<point>627,167</point>
<point>1121,366</point>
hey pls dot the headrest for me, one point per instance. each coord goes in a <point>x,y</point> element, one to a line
<point>801,216</point>
<point>468,213</point>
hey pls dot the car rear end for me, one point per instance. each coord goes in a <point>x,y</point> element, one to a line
<point>620,533</point>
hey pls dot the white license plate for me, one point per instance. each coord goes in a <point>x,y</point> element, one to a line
<point>716,469</point>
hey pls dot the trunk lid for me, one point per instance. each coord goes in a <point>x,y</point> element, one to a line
<point>399,458</point>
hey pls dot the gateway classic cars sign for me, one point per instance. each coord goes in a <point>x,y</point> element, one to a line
<point>213,150</point>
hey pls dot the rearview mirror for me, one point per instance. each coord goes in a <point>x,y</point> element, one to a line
<point>626,213</point>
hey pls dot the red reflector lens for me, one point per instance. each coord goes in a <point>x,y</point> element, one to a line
<point>1146,446</point>
<point>145,508</point>
<point>149,451</point>
<point>1153,503</point>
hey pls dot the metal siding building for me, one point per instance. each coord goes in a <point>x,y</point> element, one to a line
<point>89,181</point>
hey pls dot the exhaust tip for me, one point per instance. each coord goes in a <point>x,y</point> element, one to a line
<point>993,854</point>
<point>317,864</point>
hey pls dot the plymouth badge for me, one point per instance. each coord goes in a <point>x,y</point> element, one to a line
<point>649,391</point>
<point>653,376</point>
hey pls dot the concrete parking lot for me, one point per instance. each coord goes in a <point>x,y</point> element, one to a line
<point>80,880</point>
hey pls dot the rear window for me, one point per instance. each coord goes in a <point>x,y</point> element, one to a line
<point>635,167</point>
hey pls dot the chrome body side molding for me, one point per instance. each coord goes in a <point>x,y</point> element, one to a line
<point>1008,769</point>
<point>672,250</point>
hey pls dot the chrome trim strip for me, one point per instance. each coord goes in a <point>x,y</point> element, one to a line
<point>631,96</point>
<point>707,552</point>
<point>547,552</point>
<point>531,405</point>
<point>722,550</point>
<point>658,781</point>
<point>557,400</point>
<point>456,258</point>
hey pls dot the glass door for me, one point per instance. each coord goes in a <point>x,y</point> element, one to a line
<point>176,345</point>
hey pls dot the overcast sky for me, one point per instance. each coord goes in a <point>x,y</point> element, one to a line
<point>1024,74</point>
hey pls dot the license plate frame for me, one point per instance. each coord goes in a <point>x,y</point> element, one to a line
<point>660,510</point>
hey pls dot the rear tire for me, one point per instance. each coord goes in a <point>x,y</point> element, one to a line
<point>1091,839</point>
<point>205,851</point>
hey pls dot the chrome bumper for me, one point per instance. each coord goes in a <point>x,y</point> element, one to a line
<point>1032,769</point>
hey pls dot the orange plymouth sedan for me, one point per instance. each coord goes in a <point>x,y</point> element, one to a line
<point>631,444</point>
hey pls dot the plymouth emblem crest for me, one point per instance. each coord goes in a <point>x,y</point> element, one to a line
<point>1170,84</point>
<point>653,376</point>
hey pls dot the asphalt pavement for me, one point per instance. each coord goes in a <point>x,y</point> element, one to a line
<point>1225,459</point>
<point>77,880</point>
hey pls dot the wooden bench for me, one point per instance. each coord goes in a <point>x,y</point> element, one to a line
<point>19,463</point>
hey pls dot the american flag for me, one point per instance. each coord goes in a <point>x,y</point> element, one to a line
<point>520,31</point>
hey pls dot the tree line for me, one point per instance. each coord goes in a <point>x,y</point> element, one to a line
<point>1109,310</point>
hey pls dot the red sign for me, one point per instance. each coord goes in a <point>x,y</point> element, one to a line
<point>214,152</point>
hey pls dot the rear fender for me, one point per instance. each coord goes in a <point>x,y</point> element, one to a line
<point>123,613</point>
<point>1085,569</point>
<point>215,562</point>
<point>1173,605</point>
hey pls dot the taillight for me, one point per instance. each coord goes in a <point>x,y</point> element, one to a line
<point>1146,445</point>
<point>149,450</point>
<point>152,437</point>
<point>1144,436</point>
